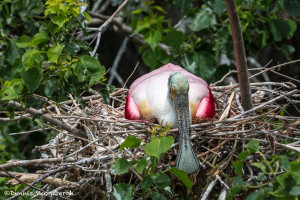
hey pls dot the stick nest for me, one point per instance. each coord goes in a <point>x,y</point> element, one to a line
<point>81,160</point>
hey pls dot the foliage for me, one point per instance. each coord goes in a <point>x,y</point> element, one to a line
<point>39,54</point>
<point>203,34</point>
<point>153,184</point>
<point>278,178</point>
<point>46,62</point>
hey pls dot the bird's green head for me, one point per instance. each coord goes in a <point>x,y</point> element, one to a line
<point>178,84</point>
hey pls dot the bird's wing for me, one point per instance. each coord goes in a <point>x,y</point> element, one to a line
<point>206,107</point>
<point>131,110</point>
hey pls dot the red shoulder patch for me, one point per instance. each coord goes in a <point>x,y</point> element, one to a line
<point>131,110</point>
<point>206,108</point>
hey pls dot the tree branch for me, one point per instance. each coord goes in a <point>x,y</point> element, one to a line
<point>240,55</point>
<point>48,118</point>
<point>104,25</point>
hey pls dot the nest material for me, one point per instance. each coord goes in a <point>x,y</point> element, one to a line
<point>81,162</point>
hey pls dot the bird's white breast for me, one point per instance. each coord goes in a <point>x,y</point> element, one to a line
<point>151,96</point>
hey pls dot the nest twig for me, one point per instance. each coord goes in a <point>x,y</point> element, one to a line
<point>80,156</point>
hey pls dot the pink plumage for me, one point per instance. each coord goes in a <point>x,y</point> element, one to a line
<point>147,97</point>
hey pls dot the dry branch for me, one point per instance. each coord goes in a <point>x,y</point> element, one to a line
<point>86,162</point>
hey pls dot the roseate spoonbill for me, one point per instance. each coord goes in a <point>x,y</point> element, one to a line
<point>176,96</point>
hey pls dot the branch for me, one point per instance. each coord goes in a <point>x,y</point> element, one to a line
<point>264,104</point>
<point>27,163</point>
<point>104,25</point>
<point>48,118</point>
<point>127,30</point>
<point>42,177</point>
<point>240,55</point>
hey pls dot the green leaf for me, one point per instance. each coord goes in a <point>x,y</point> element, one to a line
<point>160,9</point>
<point>287,50</point>
<point>168,191</point>
<point>141,165</point>
<point>120,166</point>
<point>218,6</point>
<point>60,20</point>
<point>8,93</point>
<point>153,38</point>
<point>237,182</point>
<point>291,6</point>
<point>49,87</point>
<point>130,142</point>
<point>23,41</point>
<point>282,28</point>
<point>295,168</point>
<point>158,196</point>
<point>174,39</point>
<point>284,162</point>
<point>123,191</point>
<point>182,4</point>
<point>98,76</point>
<point>295,191</point>
<point>260,194</point>
<point>39,121</point>
<point>29,57</point>
<point>105,95</point>
<point>237,185</point>
<point>87,67</point>
<point>259,165</point>
<point>143,24</point>
<point>238,167</point>
<point>203,20</point>
<point>182,175</point>
<point>201,64</point>
<point>87,16</point>
<point>146,182</point>
<point>40,38</point>
<point>54,52</point>
<point>159,146</point>
<point>253,144</point>
<point>32,78</point>
<point>243,155</point>
<point>248,3</point>
<point>273,6</point>
<point>149,57</point>
<point>12,52</point>
<point>161,180</point>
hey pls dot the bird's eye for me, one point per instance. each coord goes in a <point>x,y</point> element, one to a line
<point>173,92</point>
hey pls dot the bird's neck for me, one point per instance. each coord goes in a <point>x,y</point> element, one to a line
<point>186,159</point>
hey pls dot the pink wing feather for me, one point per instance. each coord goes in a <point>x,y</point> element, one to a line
<point>131,110</point>
<point>206,107</point>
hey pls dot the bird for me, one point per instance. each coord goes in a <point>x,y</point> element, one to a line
<point>175,96</point>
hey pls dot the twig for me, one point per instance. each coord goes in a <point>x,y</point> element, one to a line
<point>27,163</point>
<point>208,189</point>
<point>137,64</point>
<point>277,66</point>
<point>104,25</point>
<point>264,104</point>
<point>31,131</point>
<point>42,177</point>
